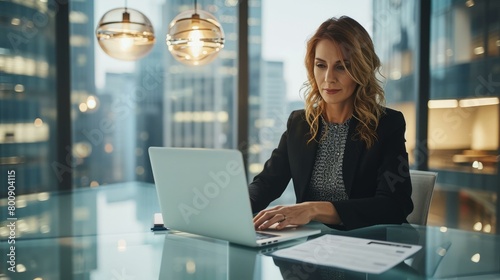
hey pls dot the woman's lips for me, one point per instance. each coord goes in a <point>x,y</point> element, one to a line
<point>331,90</point>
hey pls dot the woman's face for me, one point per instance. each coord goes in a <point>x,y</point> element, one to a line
<point>334,84</point>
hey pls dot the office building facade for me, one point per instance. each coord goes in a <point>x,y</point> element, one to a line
<point>463,111</point>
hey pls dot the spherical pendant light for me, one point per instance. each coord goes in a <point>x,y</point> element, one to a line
<point>125,34</point>
<point>195,37</point>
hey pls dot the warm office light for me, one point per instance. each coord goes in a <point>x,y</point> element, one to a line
<point>474,102</point>
<point>125,34</point>
<point>441,104</point>
<point>195,37</point>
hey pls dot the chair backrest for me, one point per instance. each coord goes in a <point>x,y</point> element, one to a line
<point>423,185</point>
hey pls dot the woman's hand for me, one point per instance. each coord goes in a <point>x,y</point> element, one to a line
<point>298,214</point>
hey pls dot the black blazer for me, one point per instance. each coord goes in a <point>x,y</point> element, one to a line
<point>377,179</point>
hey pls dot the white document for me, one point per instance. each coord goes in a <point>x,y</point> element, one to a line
<point>355,254</point>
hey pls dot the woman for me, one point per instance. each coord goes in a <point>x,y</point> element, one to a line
<point>345,153</point>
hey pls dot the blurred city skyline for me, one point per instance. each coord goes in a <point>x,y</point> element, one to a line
<point>283,36</point>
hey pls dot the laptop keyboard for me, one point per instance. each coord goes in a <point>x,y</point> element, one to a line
<point>261,235</point>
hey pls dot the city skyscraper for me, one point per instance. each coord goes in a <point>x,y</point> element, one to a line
<point>273,110</point>
<point>28,95</point>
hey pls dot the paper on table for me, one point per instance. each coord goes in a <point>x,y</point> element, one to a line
<point>356,254</point>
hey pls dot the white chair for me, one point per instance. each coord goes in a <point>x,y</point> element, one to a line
<point>423,186</point>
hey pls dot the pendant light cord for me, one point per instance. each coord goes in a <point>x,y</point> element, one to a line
<point>195,6</point>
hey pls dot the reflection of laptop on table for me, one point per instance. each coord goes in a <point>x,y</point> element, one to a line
<point>204,191</point>
<point>189,256</point>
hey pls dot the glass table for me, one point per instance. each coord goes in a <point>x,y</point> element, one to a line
<point>104,233</point>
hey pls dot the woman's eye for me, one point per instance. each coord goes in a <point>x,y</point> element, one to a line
<point>320,65</point>
<point>340,67</point>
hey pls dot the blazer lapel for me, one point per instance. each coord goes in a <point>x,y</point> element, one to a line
<point>353,150</point>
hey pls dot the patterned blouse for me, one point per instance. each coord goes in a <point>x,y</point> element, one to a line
<point>327,182</point>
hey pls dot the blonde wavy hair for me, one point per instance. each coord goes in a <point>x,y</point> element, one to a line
<point>356,46</point>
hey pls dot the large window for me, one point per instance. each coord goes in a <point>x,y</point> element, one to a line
<point>120,109</point>
<point>463,108</point>
<point>28,94</point>
<point>464,112</point>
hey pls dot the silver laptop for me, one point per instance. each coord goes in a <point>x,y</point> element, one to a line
<point>204,191</point>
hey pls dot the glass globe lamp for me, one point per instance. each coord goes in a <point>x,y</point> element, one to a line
<point>195,37</point>
<point>125,34</point>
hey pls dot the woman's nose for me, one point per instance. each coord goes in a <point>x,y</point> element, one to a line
<point>330,76</point>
